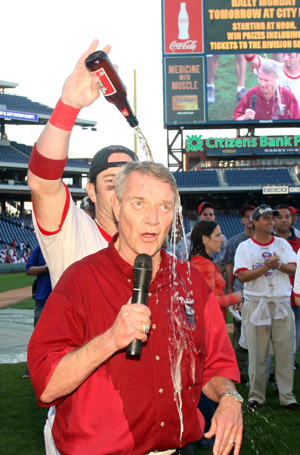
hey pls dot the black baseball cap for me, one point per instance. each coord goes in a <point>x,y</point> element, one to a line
<point>100,162</point>
<point>263,210</point>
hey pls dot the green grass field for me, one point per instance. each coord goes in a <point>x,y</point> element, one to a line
<point>270,431</point>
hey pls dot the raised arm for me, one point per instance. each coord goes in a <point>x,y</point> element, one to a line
<point>50,153</point>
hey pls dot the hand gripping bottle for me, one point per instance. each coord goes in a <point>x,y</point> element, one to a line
<point>112,87</point>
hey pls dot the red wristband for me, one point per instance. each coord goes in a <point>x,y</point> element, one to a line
<point>64,116</point>
<point>46,168</point>
<point>249,59</point>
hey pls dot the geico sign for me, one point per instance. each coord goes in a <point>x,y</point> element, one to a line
<point>275,190</point>
<point>294,189</point>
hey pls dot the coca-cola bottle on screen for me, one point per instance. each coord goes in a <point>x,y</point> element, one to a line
<point>183,22</point>
<point>112,87</point>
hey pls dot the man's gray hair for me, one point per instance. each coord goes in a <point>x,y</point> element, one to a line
<point>269,67</point>
<point>155,170</point>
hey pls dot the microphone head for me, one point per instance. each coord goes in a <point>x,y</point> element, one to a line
<point>142,270</point>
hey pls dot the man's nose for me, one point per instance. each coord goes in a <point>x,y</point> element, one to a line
<point>151,216</point>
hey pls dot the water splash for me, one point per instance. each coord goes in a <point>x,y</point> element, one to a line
<point>180,341</point>
<point>143,142</point>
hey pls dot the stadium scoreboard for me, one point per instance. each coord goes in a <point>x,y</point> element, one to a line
<point>195,30</point>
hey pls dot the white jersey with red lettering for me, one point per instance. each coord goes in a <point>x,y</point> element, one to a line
<point>273,284</point>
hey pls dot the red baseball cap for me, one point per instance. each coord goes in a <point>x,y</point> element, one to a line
<point>293,210</point>
<point>247,207</point>
<point>203,206</point>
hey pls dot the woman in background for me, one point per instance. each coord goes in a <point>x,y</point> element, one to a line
<point>206,239</point>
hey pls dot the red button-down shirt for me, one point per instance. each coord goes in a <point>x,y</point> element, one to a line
<point>129,406</point>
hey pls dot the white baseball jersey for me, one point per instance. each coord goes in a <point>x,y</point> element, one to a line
<point>77,237</point>
<point>273,284</point>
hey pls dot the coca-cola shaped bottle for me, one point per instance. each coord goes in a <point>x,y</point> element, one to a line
<point>183,22</point>
<point>112,87</point>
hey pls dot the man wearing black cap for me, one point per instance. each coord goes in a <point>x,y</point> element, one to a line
<point>234,285</point>
<point>65,233</point>
<point>263,264</point>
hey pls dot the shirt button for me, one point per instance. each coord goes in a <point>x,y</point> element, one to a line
<point>129,280</point>
<point>161,390</point>
<point>162,424</point>
<point>149,294</point>
<point>153,326</point>
<point>157,357</point>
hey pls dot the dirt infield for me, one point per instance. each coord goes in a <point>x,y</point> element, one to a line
<point>17,295</point>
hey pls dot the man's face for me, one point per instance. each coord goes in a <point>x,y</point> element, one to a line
<point>291,61</point>
<point>145,215</point>
<point>104,189</point>
<point>207,214</point>
<point>294,218</point>
<point>246,219</point>
<point>266,82</point>
<point>283,221</point>
<point>264,224</point>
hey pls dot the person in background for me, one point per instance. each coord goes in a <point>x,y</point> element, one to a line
<point>294,213</point>
<point>176,244</point>
<point>263,264</point>
<point>88,206</point>
<point>283,228</point>
<point>206,212</point>
<point>77,350</point>
<point>233,285</point>
<point>36,266</point>
<point>207,239</point>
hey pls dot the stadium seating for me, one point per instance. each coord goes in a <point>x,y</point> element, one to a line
<point>255,177</point>
<point>10,155</point>
<point>23,104</point>
<point>203,178</point>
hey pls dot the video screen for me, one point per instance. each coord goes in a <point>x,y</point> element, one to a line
<point>231,63</point>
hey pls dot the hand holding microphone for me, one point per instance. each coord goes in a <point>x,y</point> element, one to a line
<point>142,272</point>
<point>250,113</point>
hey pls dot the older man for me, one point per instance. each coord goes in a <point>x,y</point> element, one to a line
<point>288,70</point>
<point>267,101</point>
<point>106,402</point>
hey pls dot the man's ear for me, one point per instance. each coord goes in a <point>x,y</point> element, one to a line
<point>116,207</point>
<point>90,189</point>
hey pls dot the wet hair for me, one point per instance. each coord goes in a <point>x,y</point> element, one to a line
<point>154,170</point>
<point>269,67</point>
<point>200,229</point>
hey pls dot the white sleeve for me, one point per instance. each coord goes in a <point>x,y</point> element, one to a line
<point>297,276</point>
<point>77,237</point>
<point>240,257</point>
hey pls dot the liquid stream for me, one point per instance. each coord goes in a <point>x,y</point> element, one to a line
<point>143,142</point>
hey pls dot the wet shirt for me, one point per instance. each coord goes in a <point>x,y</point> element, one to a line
<point>271,109</point>
<point>130,406</point>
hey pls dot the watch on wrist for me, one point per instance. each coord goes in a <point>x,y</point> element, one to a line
<point>234,395</point>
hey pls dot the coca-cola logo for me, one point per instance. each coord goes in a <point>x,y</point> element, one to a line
<point>186,45</point>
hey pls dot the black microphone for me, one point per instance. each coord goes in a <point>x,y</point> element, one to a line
<point>142,271</point>
<point>253,102</point>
